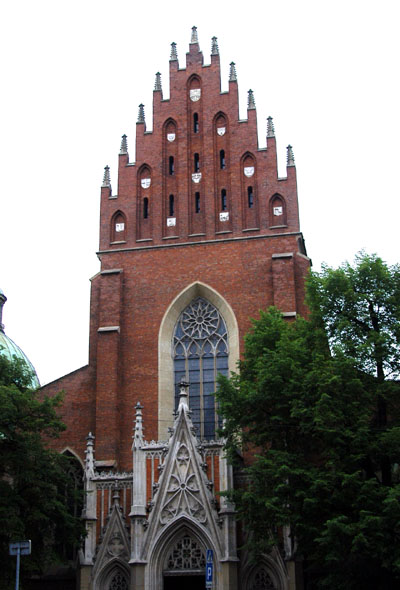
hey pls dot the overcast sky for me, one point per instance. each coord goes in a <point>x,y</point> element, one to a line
<point>73,74</point>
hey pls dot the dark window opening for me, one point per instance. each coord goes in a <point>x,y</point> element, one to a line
<point>196,123</point>
<point>145,208</point>
<point>250,197</point>
<point>196,162</point>
<point>171,165</point>
<point>223,200</point>
<point>197,202</point>
<point>171,205</point>
<point>222,163</point>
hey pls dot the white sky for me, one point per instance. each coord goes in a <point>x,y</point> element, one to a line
<point>73,74</point>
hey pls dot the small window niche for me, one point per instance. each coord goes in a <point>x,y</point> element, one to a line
<point>250,197</point>
<point>171,167</point>
<point>196,125</point>
<point>196,162</point>
<point>145,208</point>
<point>277,212</point>
<point>171,206</point>
<point>197,202</point>
<point>118,227</point>
<point>224,204</point>
<point>222,160</point>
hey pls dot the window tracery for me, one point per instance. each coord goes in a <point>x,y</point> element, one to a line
<point>118,582</point>
<point>200,352</point>
<point>262,580</point>
<point>186,555</point>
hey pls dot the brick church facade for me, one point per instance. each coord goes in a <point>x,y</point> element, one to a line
<point>198,237</point>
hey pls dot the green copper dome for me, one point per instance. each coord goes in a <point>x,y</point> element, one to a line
<point>10,350</point>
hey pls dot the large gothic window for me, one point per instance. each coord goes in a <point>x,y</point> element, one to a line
<point>200,352</point>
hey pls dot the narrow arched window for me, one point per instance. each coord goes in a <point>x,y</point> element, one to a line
<point>250,197</point>
<point>196,162</point>
<point>145,208</point>
<point>171,165</point>
<point>171,205</point>
<point>200,353</point>
<point>222,163</point>
<point>195,122</point>
<point>197,202</point>
<point>223,200</point>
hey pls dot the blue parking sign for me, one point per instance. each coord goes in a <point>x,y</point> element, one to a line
<point>209,568</point>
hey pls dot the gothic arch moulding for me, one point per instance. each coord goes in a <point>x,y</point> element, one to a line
<point>165,360</point>
<point>269,574</point>
<point>115,576</point>
<point>182,539</point>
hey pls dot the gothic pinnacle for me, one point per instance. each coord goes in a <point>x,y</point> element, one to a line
<point>174,53</point>
<point>290,156</point>
<point>106,177</point>
<point>270,127</point>
<point>138,427</point>
<point>232,72</point>
<point>250,100</point>
<point>157,84</point>
<point>194,38</point>
<point>214,46</point>
<point>124,145</point>
<point>141,113</point>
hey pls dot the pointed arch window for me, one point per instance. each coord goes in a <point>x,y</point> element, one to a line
<point>118,581</point>
<point>186,555</point>
<point>195,123</point>
<point>145,208</point>
<point>196,162</point>
<point>200,353</point>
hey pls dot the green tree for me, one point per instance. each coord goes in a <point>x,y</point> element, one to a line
<point>307,419</point>
<point>33,479</point>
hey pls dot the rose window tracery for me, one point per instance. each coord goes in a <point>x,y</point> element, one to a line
<point>186,555</point>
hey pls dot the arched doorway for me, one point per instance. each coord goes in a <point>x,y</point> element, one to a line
<point>185,565</point>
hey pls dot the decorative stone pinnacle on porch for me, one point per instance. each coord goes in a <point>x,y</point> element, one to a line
<point>106,178</point>
<point>183,395</point>
<point>89,460</point>
<point>174,53</point>
<point>116,495</point>
<point>270,127</point>
<point>138,428</point>
<point>124,145</point>
<point>194,38</point>
<point>251,103</point>
<point>290,156</point>
<point>214,46</point>
<point>232,72</point>
<point>141,114</point>
<point>157,84</point>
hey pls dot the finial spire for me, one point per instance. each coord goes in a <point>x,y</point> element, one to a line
<point>106,178</point>
<point>194,38</point>
<point>290,156</point>
<point>251,104</point>
<point>138,428</point>
<point>232,72</point>
<point>3,299</point>
<point>270,127</point>
<point>174,53</point>
<point>183,395</point>
<point>124,145</point>
<point>214,46</point>
<point>157,84</point>
<point>89,460</point>
<point>141,114</point>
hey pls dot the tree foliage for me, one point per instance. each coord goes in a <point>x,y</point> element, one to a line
<point>306,420</point>
<point>33,479</point>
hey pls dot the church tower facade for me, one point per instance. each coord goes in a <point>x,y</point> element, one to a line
<point>200,235</point>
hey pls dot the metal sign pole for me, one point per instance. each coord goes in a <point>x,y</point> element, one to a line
<point>17,572</point>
